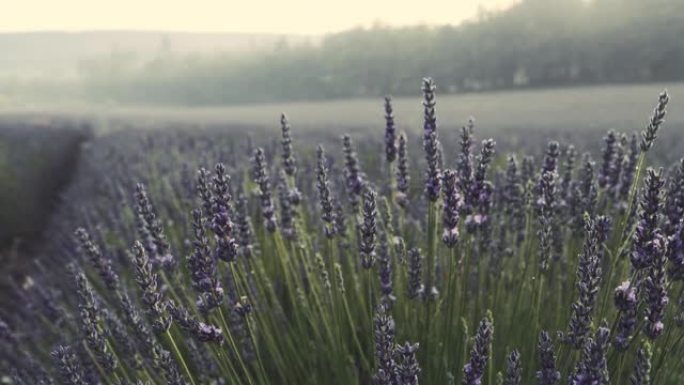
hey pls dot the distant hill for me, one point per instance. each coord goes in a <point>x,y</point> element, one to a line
<point>36,53</point>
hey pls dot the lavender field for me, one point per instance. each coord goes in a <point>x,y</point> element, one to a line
<point>387,244</point>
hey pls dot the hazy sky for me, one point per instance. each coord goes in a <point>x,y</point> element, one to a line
<point>280,16</point>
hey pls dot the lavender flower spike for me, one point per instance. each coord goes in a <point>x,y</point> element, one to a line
<point>642,249</point>
<point>354,178</point>
<point>452,203</point>
<point>159,249</point>
<point>155,305</point>
<point>287,212</point>
<point>368,229</point>
<point>408,370</point>
<point>201,331</point>
<point>513,369</point>
<point>626,302</point>
<point>324,196</point>
<point>547,373</point>
<point>479,178</point>
<point>430,141</point>
<point>390,132</point>
<point>675,253</point>
<point>545,208</point>
<point>656,286</point>
<point>289,161</point>
<point>403,177</point>
<point>415,289</point>
<point>260,177</point>
<point>593,367</point>
<point>221,223</point>
<point>642,366</point>
<point>204,191</point>
<point>90,320</point>
<point>102,264</point>
<point>384,333</point>
<point>474,369</point>
<point>202,267</point>
<point>649,135</point>
<point>588,281</point>
<point>69,367</point>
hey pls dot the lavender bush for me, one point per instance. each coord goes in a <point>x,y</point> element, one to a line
<point>189,259</point>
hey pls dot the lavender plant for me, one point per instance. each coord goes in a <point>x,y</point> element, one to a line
<point>312,276</point>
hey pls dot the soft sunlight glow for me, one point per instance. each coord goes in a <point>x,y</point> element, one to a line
<point>256,16</point>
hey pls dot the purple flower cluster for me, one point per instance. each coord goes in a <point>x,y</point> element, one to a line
<point>452,203</point>
<point>474,369</point>
<point>430,141</point>
<point>261,178</point>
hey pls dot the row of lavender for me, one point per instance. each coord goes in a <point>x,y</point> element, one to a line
<point>386,267</point>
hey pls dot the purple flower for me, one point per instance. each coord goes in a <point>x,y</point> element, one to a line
<point>368,229</point>
<point>430,141</point>
<point>221,221</point>
<point>151,230</point>
<point>287,210</point>
<point>245,235</point>
<point>629,165</point>
<point>588,281</point>
<point>674,202</point>
<point>675,253</point>
<point>593,367</point>
<point>289,161</point>
<point>324,196</point>
<point>385,269</point>
<point>70,368</point>
<point>384,333</point>
<point>354,178</point>
<point>464,164</point>
<point>390,132</point>
<point>415,287</point>
<point>202,267</point>
<point>642,366</point>
<point>408,370</point>
<point>199,330</point>
<point>568,169</point>
<point>155,305</point>
<point>551,157</point>
<point>649,135</point>
<point>643,247</point>
<point>626,301</point>
<point>102,264</point>
<point>474,369</point>
<point>452,202</point>
<point>513,369</point>
<point>403,177</point>
<point>547,373</point>
<point>260,177</point>
<point>610,159</point>
<point>656,288</point>
<point>90,324</point>
<point>479,179</point>
<point>204,191</point>
<point>545,212</point>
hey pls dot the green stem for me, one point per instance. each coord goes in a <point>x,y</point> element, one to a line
<point>179,356</point>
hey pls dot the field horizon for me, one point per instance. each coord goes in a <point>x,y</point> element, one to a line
<point>616,106</point>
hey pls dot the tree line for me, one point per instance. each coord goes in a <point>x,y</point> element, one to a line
<point>536,43</point>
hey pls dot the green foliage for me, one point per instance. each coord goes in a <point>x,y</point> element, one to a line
<point>314,310</point>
